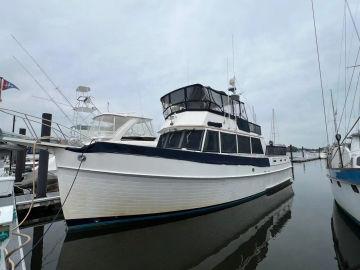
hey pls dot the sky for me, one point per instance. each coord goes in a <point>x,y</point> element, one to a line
<point>130,53</point>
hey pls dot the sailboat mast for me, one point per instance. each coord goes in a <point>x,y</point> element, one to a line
<point>273,125</point>
<point>333,109</point>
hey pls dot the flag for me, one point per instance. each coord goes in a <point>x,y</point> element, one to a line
<point>7,85</point>
<point>4,85</point>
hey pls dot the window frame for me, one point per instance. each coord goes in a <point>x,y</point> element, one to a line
<point>221,142</point>
<point>180,140</point>
<point>237,140</point>
<point>201,139</point>
<point>204,141</point>
<point>251,144</point>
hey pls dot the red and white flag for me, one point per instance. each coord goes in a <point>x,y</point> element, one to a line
<point>4,85</point>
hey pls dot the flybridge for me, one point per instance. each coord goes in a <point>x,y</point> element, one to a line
<point>197,97</point>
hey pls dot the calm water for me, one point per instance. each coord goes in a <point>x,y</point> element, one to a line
<point>292,229</point>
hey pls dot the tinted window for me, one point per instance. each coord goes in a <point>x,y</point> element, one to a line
<point>358,161</point>
<point>197,93</point>
<point>211,141</point>
<point>256,146</point>
<point>162,141</point>
<point>216,101</point>
<point>275,150</point>
<point>177,96</point>
<point>243,144</point>
<point>173,140</point>
<point>228,143</point>
<point>192,139</point>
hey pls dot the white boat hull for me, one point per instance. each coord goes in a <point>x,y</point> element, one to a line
<point>120,185</point>
<point>347,199</point>
<point>344,193</point>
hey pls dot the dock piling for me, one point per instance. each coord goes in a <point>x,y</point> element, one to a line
<point>11,152</point>
<point>44,156</point>
<point>20,160</point>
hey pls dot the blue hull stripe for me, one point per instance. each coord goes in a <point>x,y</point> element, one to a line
<point>200,157</point>
<point>80,225</point>
<point>350,175</point>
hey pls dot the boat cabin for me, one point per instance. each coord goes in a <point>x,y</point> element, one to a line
<point>199,98</point>
<point>199,118</point>
<point>121,127</point>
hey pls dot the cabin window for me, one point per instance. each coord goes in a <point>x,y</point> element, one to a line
<point>211,141</point>
<point>227,105</point>
<point>192,139</point>
<point>236,108</point>
<point>355,188</point>
<point>162,140</point>
<point>177,96</point>
<point>358,161</point>
<point>256,146</point>
<point>228,143</point>
<point>174,139</point>
<point>243,144</point>
<point>140,129</point>
<point>178,100</point>
<point>216,102</point>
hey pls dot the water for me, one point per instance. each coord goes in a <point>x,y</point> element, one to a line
<point>291,229</point>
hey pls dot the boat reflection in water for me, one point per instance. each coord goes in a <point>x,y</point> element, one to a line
<point>346,237</point>
<point>233,238</point>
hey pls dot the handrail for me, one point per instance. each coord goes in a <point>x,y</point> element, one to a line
<point>59,129</point>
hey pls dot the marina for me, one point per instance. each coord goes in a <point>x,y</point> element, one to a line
<point>176,139</point>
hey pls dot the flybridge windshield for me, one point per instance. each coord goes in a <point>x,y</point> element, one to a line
<point>106,126</point>
<point>198,98</point>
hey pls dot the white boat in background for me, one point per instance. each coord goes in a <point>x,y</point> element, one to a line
<point>208,157</point>
<point>344,174</point>
<point>323,155</point>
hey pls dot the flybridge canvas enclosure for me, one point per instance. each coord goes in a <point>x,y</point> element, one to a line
<point>197,97</point>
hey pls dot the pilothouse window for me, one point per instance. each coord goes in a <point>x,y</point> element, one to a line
<point>173,140</point>
<point>211,142</point>
<point>192,139</point>
<point>162,140</point>
<point>256,146</point>
<point>244,144</point>
<point>228,143</point>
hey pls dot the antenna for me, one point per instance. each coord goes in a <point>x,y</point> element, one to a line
<point>42,88</point>
<point>254,114</point>
<point>233,52</point>
<point>232,81</point>
<point>187,71</point>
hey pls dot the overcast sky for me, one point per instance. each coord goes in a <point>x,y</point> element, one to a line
<point>125,50</point>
